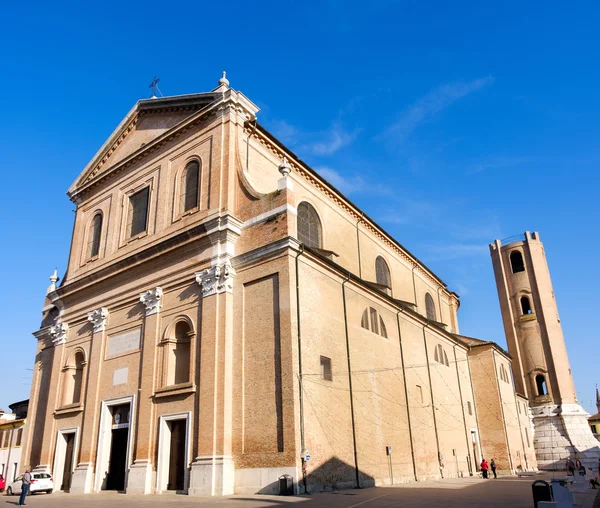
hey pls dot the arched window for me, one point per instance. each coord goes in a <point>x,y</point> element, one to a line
<point>382,272</point>
<point>540,382</point>
<point>526,305</point>
<point>516,262</point>
<point>190,187</point>
<point>94,236</point>
<point>371,320</point>
<point>177,349</point>
<point>430,307</point>
<point>309,226</point>
<point>73,379</point>
<point>440,356</point>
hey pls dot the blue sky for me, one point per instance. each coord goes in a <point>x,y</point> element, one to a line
<point>451,124</point>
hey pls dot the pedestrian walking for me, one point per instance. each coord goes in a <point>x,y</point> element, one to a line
<point>25,484</point>
<point>484,468</point>
<point>570,467</point>
<point>493,466</point>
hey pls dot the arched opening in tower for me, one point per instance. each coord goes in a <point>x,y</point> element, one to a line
<point>526,305</point>
<point>516,262</point>
<point>541,384</point>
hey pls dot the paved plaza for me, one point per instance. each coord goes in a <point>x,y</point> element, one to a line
<point>455,493</point>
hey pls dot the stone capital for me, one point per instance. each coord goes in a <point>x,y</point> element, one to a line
<point>58,333</point>
<point>98,319</point>
<point>216,279</point>
<point>152,300</point>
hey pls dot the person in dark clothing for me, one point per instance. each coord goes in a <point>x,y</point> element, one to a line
<point>25,484</point>
<point>484,468</point>
<point>493,466</point>
<point>570,467</point>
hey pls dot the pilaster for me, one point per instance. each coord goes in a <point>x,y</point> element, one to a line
<point>83,477</point>
<point>140,473</point>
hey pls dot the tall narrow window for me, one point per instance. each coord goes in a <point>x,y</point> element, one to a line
<point>94,235</point>
<point>420,394</point>
<point>469,407</point>
<point>138,212</point>
<point>364,322</point>
<point>527,436</point>
<point>19,437</point>
<point>430,307</point>
<point>516,262</point>
<point>309,226</point>
<point>382,328</point>
<point>440,356</point>
<point>504,373</point>
<point>540,381</point>
<point>374,323</point>
<point>382,273</point>
<point>326,373</point>
<point>526,305</point>
<point>191,186</point>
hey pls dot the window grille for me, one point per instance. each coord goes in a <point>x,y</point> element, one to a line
<point>309,226</point>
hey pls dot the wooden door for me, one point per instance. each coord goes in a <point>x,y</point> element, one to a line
<point>177,460</point>
<point>68,469</point>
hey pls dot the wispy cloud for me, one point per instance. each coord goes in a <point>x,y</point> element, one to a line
<point>431,104</point>
<point>332,140</point>
<point>499,163</point>
<point>352,183</point>
<point>445,252</point>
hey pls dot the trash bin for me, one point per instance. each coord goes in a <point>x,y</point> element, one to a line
<point>541,492</point>
<point>286,485</point>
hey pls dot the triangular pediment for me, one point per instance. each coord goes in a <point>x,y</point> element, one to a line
<point>147,120</point>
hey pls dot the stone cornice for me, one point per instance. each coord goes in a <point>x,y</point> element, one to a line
<point>315,180</point>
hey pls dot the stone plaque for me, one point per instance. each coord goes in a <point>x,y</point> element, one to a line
<point>124,343</point>
<point>120,376</point>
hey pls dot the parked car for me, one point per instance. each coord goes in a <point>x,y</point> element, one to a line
<point>41,482</point>
<point>2,483</point>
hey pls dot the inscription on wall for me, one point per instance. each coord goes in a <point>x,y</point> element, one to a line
<point>124,343</point>
<point>120,376</point>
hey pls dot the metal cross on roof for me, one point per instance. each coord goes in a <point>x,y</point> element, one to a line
<point>154,86</point>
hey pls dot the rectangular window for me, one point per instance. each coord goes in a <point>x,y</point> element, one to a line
<point>527,436</point>
<point>19,437</point>
<point>15,471</point>
<point>594,429</point>
<point>469,407</point>
<point>326,373</point>
<point>420,394</point>
<point>2,470</point>
<point>137,220</point>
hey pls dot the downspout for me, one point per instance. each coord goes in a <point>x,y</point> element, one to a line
<point>440,305</point>
<point>510,462</point>
<point>410,436</point>
<point>301,400</point>
<point>437,439</point>
<point>475,410</point>
<point>362,219</point>
<point>350,382</point>
<point>462,404</point>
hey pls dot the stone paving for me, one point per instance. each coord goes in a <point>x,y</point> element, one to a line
<point>454,493</point>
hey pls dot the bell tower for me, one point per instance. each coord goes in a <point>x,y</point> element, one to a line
<point>540,363</point>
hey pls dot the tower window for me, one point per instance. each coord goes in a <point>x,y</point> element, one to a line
<point>540,382</point>
<point>516,262</point>
<point>309,226</point>
<point>526,305</point>
<point>382,272</point>
<point>326,373</point>
<point>430,307</point>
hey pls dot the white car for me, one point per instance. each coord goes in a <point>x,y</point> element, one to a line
<point>41,482</point>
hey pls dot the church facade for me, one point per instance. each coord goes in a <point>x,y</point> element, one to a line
<point>227,316</point>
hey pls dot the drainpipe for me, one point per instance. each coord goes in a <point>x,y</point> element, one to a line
<point>440,305</point>
<point>462,404</point>
<point>410,436</point>
<point>362,219</point>
<point>301,400</point>
<point>350,382</point>
<point>415,287</point>
<point>510,462</point>
<point>437,439</point>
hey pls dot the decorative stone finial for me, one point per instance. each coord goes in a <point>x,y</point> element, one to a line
<point>224,80</point>
<point>151,299</point>
<point>98,319</point>
<point>53,281</point>
<point>284,168</point>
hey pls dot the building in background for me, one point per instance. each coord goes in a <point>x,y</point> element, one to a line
<point>12,428</point>
<point>227,316</point>
<point>536,343</point>
<point>594,420</point>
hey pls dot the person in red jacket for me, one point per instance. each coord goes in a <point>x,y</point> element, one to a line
<point>484,468</point>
